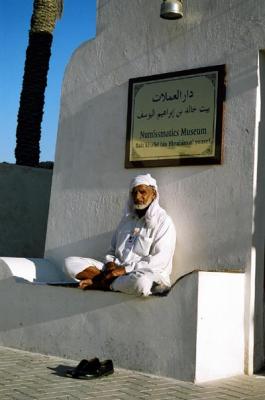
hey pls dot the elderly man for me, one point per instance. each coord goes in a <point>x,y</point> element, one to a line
<point>142,248</point>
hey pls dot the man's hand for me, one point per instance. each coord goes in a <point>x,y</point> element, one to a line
<point>88,273</point>
<point>110,266</point>
<point>118,271</point>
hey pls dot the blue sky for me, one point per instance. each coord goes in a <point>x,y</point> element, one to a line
<point>76,26</point>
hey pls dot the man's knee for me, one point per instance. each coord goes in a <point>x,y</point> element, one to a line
<point>137,284</point>
<point>69,261</point>
<point>143,285</point>
<point>74,265</point>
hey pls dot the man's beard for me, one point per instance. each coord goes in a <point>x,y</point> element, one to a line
<point>142,206</point>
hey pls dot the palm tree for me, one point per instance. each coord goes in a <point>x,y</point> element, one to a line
<point>43,20</point>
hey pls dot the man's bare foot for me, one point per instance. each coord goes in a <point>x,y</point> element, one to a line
<point>88,273</point>
<point>85,283</point>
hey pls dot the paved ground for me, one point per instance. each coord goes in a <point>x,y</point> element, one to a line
<point>29,376</point>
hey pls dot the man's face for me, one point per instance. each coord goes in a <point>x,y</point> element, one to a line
<point>143,196</point>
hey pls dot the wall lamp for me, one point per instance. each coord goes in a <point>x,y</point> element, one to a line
<point>171,9</point>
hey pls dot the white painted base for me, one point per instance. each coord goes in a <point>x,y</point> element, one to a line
<point>36,270</point>
<point>220,326</point>
<point>196,333</point>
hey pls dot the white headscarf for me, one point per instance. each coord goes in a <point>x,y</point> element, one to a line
<point>154,210</point>
<point>143,180</point>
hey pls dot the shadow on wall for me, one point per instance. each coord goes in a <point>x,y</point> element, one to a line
<point>67,322</point>
<point>35,308</point>
<point>191,253</point>
<point>258,242</point>
<point>94,247</point>
<point>31,305</point>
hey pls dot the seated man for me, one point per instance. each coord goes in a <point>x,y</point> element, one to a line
<point>142,248</point>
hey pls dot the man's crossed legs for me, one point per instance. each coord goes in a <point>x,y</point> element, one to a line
<point>92,275</point>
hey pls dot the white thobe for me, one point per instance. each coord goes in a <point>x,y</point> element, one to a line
<point>137,247</point>
<point>144,246</point>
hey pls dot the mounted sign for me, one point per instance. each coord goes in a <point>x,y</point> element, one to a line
<point>175,118</point>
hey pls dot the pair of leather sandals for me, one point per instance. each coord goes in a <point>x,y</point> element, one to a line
<point>93,367</point>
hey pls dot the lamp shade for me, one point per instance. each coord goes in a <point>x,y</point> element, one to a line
<point>171,9</point>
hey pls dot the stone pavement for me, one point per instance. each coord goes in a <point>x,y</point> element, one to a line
<point>26,376</point>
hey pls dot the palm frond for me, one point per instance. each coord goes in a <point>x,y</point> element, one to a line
<point>60,5</point>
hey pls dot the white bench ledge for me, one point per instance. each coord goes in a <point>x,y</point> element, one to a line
<point>195,333</point>
<point>30,270</point>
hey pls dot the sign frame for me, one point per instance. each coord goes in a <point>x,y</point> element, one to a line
<point>216,74</point>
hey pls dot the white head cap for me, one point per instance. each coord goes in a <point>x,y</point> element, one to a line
<point>143,180</point>
<point>154,209</point>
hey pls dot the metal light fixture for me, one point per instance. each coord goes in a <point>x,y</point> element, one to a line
<point>171,9</point>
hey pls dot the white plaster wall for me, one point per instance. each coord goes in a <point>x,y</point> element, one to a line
<point>210,205</point>
<point>135,332</point>
<point>198,333</point>
<point>220,326</point>
<point>213,207</point>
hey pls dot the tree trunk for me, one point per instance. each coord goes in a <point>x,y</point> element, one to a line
<point>43,20</point>
<point>32,98</point>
